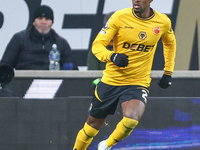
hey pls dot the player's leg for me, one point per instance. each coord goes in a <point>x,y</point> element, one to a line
<point>132,113</point>
<point>86,134</point>
<point>103,104</point>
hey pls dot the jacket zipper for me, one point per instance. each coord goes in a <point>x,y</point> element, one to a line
<point>43,46</point>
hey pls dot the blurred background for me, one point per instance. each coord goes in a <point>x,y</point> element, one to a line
<point>79,21</point>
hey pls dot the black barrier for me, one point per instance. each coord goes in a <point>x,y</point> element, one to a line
<point>168,123</point>
<point>181,87</point>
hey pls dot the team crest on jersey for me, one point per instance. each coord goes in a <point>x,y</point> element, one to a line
<point>142,35</point>
<point>157,30</point>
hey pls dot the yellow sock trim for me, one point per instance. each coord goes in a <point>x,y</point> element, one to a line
<point>90,131</point>
<point>129,123</point>
<point>85,137</point>
<point>123,129</point>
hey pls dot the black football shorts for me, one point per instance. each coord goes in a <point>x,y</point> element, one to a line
<point>107,97</point>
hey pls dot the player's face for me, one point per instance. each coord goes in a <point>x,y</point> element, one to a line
<point>42,24</point>
<point>141,6</point>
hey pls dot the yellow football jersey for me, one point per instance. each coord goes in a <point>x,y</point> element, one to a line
<point>137,38</point>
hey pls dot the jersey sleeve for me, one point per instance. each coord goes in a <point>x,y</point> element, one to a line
<point>102,40</point>
<point>169,48</point>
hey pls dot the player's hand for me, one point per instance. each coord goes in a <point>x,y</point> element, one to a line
<point>119,59</point>
<point>165,81</point>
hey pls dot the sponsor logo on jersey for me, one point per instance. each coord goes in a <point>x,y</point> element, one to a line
<point>128,27</point>
<point>138,47</point>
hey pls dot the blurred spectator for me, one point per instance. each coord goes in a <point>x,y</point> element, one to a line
<point>92,62</point>
<point>6,75</point>
<point>29,49</point>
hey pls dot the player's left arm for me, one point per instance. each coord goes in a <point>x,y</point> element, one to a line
<point>169,51</point>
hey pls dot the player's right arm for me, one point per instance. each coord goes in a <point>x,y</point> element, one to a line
<point>102,40</point>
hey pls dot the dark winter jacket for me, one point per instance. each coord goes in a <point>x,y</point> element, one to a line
<point>29,50</point>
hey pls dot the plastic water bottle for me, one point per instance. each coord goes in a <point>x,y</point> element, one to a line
<point>54,58</point>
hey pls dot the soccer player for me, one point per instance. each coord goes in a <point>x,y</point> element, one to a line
<point>136,32</point>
